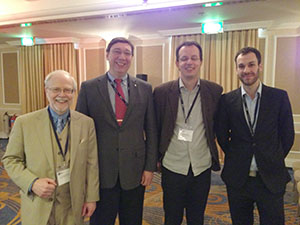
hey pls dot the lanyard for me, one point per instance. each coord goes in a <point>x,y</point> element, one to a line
<point>251,125</point>
<point>182,104</point>
<point>117,92</point>
<point>56,137</point>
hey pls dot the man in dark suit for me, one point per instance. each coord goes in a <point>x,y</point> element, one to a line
<point>255,130</point>
<point>185,111</point>
<point>123,112</point>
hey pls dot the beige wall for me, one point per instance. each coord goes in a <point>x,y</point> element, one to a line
<point>281,68</point>
<point>280,51</point>
<point>9,84</point>
<point>287,69</point>
<point>152,58</point>
<point>94,62</point>
<point>91,55</point>
<point>10,77</point>
<point>150,62</point>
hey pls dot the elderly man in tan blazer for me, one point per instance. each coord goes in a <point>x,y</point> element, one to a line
<point>52,157</point>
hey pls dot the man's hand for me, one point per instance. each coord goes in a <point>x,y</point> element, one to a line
<point>88,208</point>
<point>44,187</point>
<point>147,178</point>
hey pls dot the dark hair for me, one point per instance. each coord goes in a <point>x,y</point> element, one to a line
<point>246,50</point>
<point>188,43</point>
<point>119,40</point>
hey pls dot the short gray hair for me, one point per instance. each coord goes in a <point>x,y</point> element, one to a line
<point>50,75</point>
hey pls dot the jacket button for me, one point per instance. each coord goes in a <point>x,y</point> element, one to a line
<point>117,149</point>
<point>50,199</point>
<point>253,144</point>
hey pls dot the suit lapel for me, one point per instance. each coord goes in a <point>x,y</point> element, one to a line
<point>103,90</point>
<point>205,102</point>
<point>173,98</point>
<point>238,104</point>
<point>43,132</point>
<point>75,141</point>
<point>133,98</point>
<point>263,108</point>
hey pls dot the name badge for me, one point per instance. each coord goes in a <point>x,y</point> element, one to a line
<point>63,176</point>
<point>185,135</point>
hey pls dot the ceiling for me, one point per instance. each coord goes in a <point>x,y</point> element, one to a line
<point>99,18</point>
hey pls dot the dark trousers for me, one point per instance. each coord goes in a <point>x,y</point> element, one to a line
<point>269,205</point>
<point>127,203</point>
<point>185,192</point>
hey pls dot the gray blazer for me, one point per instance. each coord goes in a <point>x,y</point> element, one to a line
<point>166,98</point>
<point>125,151</point>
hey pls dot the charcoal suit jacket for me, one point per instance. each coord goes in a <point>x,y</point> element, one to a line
<point>272,140</point>
<point>124,151</point>
<point>166,98</point>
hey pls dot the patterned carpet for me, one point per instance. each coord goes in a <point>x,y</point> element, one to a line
<point>217,212</point>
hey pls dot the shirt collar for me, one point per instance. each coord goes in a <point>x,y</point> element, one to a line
<point>112,78</point>
<point>259,89</point>
<point>55,116</point>
<point>181,84</point>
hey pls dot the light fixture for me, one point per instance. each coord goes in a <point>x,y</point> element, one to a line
<point>27,41</point>
<point>212,4</point>
<point>25,25</point>
<point>212,27</point>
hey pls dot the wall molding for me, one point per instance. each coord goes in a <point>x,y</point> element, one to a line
<point>2,77</point>
<point>84,49</point>
<point>276,36</point>
<point>163,57</point>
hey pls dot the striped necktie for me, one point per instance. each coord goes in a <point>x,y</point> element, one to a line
<point>120,106</point>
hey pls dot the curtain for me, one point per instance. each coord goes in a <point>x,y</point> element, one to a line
<point>32,78</point>
<point>38,61</point>
<point>61,57</point>
<point>218,55</point>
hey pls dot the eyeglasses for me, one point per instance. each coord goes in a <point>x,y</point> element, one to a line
<point>185,58</point>
<point>119,52</point>
<point>57,90</point>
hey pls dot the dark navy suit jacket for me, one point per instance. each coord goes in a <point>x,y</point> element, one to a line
<point>272,141</point>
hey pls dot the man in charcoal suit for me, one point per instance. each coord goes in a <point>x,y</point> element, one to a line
<point>123,111</point>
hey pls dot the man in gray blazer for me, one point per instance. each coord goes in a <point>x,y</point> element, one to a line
<point>123,112</point>
<point>185,111</point>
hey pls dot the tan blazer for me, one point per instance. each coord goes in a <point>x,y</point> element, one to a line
<point>29,155</point>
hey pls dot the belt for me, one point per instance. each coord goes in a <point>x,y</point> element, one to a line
<point>253,173</point>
